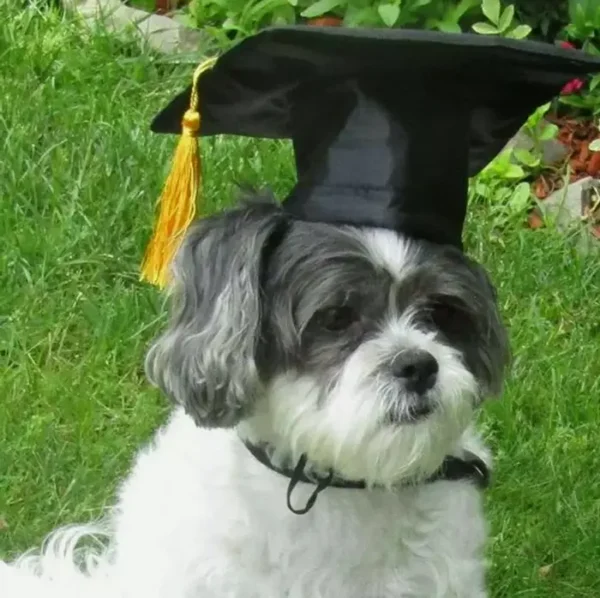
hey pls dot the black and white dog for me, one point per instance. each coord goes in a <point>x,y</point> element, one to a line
<point>343,356</point>
<point>325,360</point>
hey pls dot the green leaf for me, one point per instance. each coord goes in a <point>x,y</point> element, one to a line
<point>573,100</point>
<point>185,18</point>
<point>507,17</point>
<point>521,198</point>
<point>578,19</point>
<point>447,27</point>
<point>538,115</point>
<point>485,29</point>
<point>255,13</point>
<point>514,171</point>
<point>464,6</point>
<point>594,82</point>
<point>284,15</point>
<point>293,2</point>
<point>229,23</point>
<point>519,32</point>
<point>570,31</point>
<point>526,157</point>
<point>502,160</point>
<point>544,108</point>
<point>357,17</point>
<point>389,13</point>
<point>591,48</point>
<point>480,188</point>
<point>548,132</point>
<point>320,8</point>
<point>595,145</point>
<point>574,7</point>
<point>491,9</point>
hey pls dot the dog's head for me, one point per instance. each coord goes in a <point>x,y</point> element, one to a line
<point>363,350</point>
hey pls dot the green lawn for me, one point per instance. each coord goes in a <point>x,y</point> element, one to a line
<point>79,176</point>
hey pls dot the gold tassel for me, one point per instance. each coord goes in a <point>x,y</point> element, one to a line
<point>177,202</point>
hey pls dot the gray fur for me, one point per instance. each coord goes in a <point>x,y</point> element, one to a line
<point>449,277</point>
<point>245,311</point>
<point>206,359</point>
<point>320,266</point>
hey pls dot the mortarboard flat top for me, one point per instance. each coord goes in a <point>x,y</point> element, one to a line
<point>387,125</point>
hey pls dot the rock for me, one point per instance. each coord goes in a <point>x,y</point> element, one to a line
<point>160,32</point>
<point>553,151</point>
<point>567,207</point>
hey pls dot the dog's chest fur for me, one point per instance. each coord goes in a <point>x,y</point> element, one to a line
<point>200,518</point>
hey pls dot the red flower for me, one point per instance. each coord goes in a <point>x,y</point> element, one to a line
<point>574,85</point>
<point>571,87</point>
<point>567,45</point>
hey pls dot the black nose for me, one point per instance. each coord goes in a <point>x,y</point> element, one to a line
<point>418,370</point>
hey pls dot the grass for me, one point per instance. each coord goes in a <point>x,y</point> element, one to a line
<point>79,176</point>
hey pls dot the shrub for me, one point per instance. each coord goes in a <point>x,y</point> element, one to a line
<point>238,18</point>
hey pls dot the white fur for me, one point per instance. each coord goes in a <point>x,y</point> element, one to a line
<point>199,517</point>
<point>343,431</point>
<point>389,250</point>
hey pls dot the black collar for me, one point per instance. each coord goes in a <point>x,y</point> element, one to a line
<point>471,467</point>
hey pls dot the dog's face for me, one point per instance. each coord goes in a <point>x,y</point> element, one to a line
<point>361,349</point>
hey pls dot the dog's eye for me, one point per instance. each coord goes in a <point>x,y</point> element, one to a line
<point>447,316</point>
<point>336,319</point>
<point>444,314</point>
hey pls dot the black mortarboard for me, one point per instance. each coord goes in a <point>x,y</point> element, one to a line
<point>387,125</point>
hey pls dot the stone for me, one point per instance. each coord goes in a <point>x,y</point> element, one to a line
<point>161,32</point>
<point>553,151</point>
<point>566,209</point>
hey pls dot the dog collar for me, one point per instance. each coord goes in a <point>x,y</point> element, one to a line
<point>471,467</point>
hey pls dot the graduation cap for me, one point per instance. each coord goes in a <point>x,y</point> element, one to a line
<point>387,126</point>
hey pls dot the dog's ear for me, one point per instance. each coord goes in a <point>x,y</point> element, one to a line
<point>205,361</point>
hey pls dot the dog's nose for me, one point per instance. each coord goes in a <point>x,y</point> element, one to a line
<point>417,369</point>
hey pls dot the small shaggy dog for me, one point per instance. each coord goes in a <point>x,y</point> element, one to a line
<point>302,352</point>
<point>325,355</point>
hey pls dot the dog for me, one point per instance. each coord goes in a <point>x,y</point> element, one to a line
<point>322,376</point>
